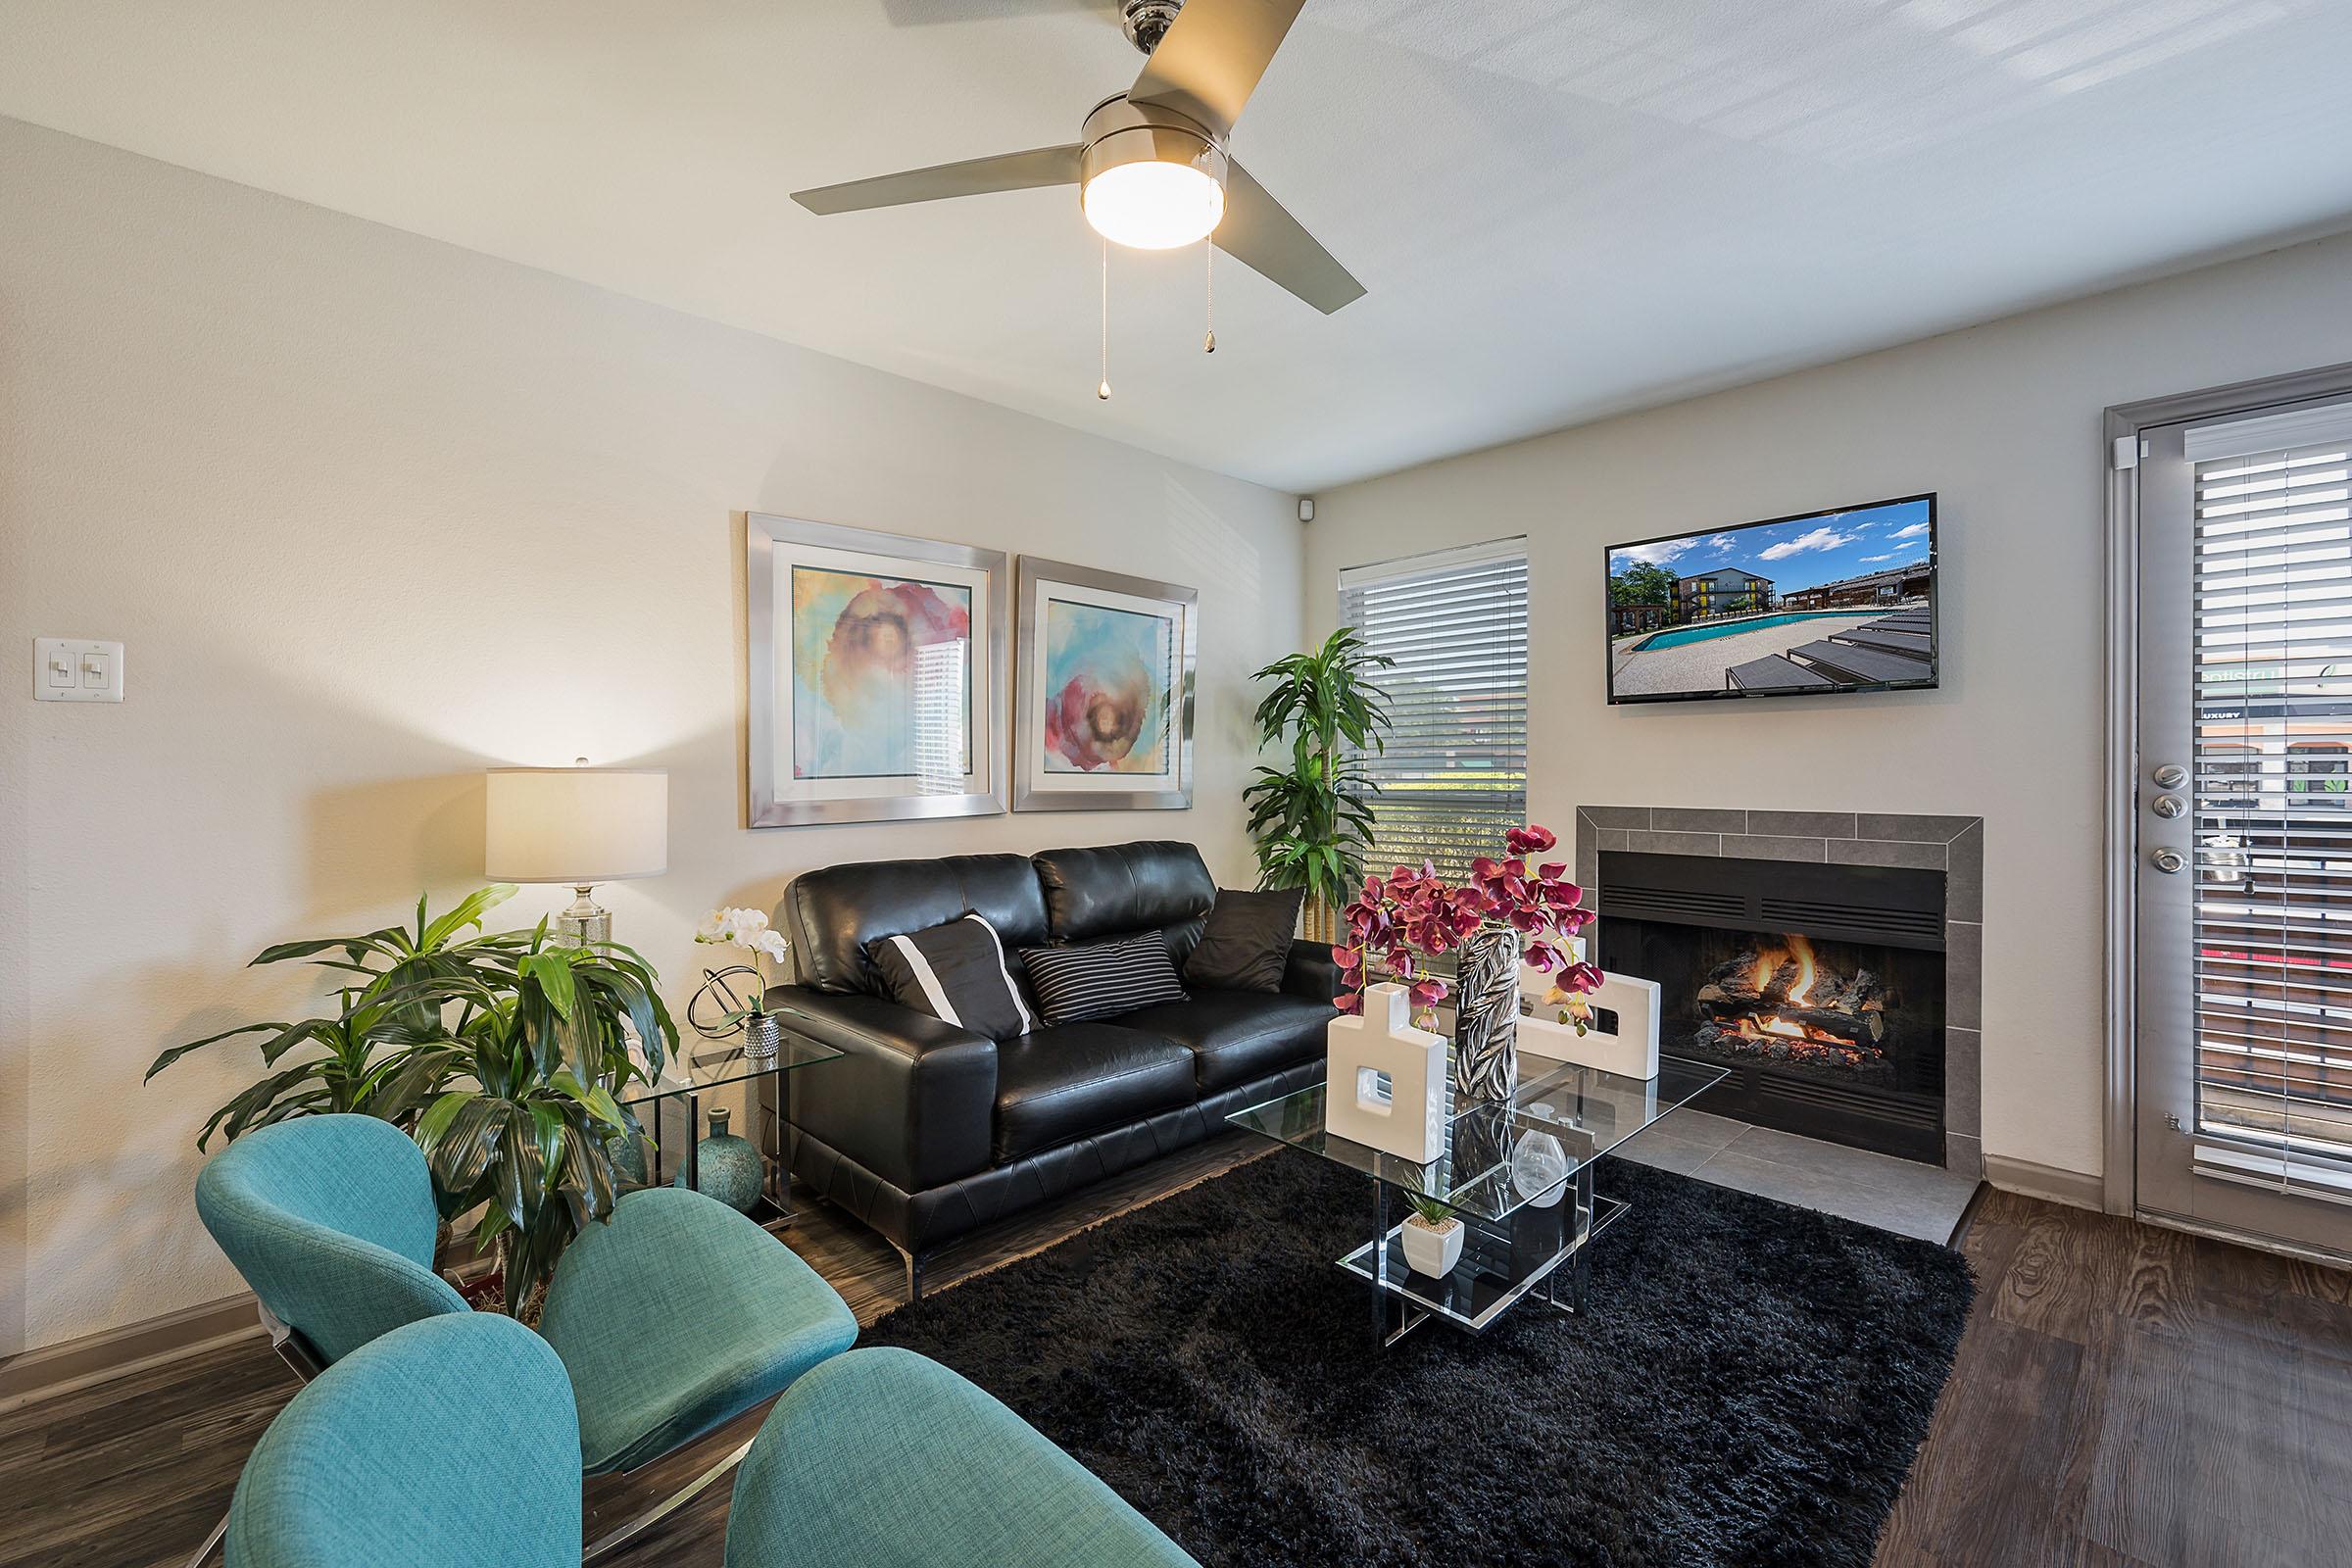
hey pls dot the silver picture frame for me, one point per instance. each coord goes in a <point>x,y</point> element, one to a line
<point>772,805</point>
<point>1036,790</point>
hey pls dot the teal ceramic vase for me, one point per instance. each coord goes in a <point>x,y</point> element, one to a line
<point>728,1167</point>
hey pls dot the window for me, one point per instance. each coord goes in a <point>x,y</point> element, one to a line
<point>1454,775</point>
<point>2316,770</point>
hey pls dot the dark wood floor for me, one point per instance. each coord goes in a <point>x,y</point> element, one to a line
<point>2125,1397</point>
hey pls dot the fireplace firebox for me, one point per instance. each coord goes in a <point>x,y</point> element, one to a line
<point>1821,988</point>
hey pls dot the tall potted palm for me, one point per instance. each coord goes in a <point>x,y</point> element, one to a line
<point>1310,819</point>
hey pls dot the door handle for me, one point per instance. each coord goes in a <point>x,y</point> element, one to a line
<point>2168,860</point>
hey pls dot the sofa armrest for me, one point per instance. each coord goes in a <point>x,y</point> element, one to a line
<point>912,1100</point>
<point>1311,972</point>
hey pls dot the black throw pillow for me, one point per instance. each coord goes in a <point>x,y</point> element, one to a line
<point>1103,978</point>
<point>1246,943</point>
<point>954,972</point>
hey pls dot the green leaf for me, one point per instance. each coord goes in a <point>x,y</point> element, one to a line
<point>553,972</point>
<point>469,912</point>
<point>178,1051</point>
<point>435,1124</point>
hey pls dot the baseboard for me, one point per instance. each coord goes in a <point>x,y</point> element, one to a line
<point>62,1368</point>
<point>2071,1187</point>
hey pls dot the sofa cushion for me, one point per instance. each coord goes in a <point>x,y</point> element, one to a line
<point>1246,943</point>
<point>957,974</point>
<point>1117,888</point>
<point>1236,1036</point>
<point>1073,1079</point>
<point>831,915</point>
<point>1100,979</point>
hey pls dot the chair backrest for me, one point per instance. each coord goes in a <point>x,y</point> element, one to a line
<point>1080,895</point>
<point>331,1221</point>
<point>447,1442</point>
<point>831,915</point>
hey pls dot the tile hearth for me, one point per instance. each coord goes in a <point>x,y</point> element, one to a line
<point>1895,1194</point>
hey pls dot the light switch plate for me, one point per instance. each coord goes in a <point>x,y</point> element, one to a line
<point>73,669</point>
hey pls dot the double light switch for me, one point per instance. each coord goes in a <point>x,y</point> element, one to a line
<point>67,669</point>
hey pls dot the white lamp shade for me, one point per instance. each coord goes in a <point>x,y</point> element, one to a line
<point>577,825</point>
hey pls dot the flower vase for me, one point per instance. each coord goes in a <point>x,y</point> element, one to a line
<point>1486,1015</point>
<point>763,1035</point>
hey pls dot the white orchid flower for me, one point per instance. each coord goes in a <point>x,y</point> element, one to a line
<point>747,929</point>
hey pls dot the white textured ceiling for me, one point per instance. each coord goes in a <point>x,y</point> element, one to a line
<point>1561,208</point>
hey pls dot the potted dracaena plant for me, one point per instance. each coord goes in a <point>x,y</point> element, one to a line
<point>502,1054</point>
<point>1310,818</point>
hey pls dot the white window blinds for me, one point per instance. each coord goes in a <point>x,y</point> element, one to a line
<point>2273,659</point>
<point>1454,779</point>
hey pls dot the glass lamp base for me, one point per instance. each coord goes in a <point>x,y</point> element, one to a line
<point>586,924</point>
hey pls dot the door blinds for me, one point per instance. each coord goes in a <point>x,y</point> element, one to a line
<point>2273,691</point>
<point>1454,779</point>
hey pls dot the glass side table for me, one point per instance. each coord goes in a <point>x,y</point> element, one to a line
<point>671,1114</point>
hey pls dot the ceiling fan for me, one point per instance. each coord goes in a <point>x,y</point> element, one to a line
<point>1150,163</point>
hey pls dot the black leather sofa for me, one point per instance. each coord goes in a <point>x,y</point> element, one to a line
<point>926,1130</point>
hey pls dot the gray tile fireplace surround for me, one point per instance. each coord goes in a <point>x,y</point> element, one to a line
<point>1952,845</point>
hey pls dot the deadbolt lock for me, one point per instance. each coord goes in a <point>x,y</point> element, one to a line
<point>2171,776</point>
<point>2168,860</point>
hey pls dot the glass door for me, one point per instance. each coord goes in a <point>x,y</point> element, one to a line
<point>2244,824</point>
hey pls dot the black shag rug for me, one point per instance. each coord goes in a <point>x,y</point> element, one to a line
<point>1749,1384</point>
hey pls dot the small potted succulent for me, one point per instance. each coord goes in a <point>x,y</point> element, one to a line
<point>1432,1236</point>
<point>749,929</point>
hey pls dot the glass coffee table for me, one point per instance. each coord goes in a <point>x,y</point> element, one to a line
<point>1519,1175</point>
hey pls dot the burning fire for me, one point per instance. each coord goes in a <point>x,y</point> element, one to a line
<point>1768,964</point>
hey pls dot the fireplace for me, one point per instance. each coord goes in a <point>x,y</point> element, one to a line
<point>1819,987</point>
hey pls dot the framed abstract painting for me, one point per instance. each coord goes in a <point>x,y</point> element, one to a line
<point>877,674</point>
<point>1102,712</point>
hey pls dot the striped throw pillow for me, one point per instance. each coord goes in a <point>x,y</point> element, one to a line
<point>954,972</point>
<point>1103,978</point>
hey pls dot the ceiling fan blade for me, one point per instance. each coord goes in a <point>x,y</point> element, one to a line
<point>1258,233</point>
<point>1208,63</point>
<point>975,176</point>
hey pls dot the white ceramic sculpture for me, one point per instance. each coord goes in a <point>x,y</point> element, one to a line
<point>1633,1051</point>
<point>1385,1080</point>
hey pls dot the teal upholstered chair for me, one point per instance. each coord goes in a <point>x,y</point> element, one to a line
<point>944,1474</point>
<point>671,1320</point>
<point>448,1442</point>
<point>331,1221</point>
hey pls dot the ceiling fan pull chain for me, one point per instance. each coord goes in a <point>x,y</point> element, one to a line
<point>1102,391</point>
<point>1208,344</point>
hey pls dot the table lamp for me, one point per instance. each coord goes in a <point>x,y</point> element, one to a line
<point>577,825</point>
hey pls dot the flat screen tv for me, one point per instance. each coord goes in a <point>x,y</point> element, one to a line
<point>1824,602</point>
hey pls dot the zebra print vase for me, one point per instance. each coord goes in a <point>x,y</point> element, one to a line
<point>1486,1016</point>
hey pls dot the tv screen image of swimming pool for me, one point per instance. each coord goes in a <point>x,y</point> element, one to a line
<point>1824,602</point>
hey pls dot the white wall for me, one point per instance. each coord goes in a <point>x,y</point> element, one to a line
<point>2003,421</point>
<point>372,513</point>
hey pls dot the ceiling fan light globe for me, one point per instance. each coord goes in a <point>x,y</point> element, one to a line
<point>1154,206</point>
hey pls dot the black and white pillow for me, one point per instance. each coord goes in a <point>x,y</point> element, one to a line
<point>1103,978</point>
<point>954,972</point>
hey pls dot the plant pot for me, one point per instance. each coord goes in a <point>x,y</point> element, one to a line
<point>763,1035</point>
<point>1486,1016</point>
<point>1432,1249</point>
